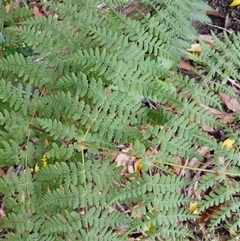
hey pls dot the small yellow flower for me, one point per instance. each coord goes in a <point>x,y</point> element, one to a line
<point>228,143</point>
<point>44,160</point>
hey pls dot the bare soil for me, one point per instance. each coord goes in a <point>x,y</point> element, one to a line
<point>223,17</point>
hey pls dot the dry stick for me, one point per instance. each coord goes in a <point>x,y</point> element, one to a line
<point>163,162</point>
<point>237,19</point>
<point>232,81</point>
<point>215,26</point>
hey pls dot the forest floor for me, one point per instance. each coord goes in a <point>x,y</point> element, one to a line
<point>223,17</point>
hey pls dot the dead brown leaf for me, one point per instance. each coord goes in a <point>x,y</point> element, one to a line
<point>207,128</point>
<point>214,13</point>
<point>2,172</point>
<point>46,142</point>
<point>184,65</point>
<point>227,118</point>
<point>9,171</point>
<point>207,38</point>
<point>2,213</point>
<point>36,12</point>
<point>207,214</point>
<point>195,162</point>
<point>126,160</point>
<point>231,102</point>
<point>177,169</point>
<point>216,112</point>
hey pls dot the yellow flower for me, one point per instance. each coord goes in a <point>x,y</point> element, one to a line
<point>44,160</point>
<point>228,143</point>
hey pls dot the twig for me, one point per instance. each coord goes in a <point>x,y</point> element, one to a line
<point>215,26</point>
<point>120,207</point>
<point>237,19</point>
<point>232,81</point>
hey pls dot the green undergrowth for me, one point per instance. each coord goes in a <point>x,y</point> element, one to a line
<point>81,81</point>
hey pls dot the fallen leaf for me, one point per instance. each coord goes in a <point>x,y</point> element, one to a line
<point>36,12</point>
<point>126,160</point>
<point>184,65</point>
<point>177,169</point>
<point>224,117</point>
<point>2,172</point>
<point>2,213</point>
<point>207,38</point>
<point>234,3</point>
<point>196,162</point>
<point>228,143</point>
<point>46,142</point>
<point>207,214</point>
<point>138,166</point>
<point>8,6</point>
<point>9,171</point>
<point>214,13</point>
<point>195,48</point>
<point>216,112</point>
<point>231,102</point>
<point>207,128</point>
<point>227,118</point>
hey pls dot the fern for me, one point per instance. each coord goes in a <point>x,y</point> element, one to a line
<point>82,90</point>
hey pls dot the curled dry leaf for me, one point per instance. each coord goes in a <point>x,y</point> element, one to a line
<point>231,102</point>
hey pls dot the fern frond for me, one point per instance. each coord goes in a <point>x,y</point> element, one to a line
<point>220,195</point>
<point>224,213</point>
<point>18,64</point>
<point>158,184</point>
<point>57,129</point>
<point>209,179</point>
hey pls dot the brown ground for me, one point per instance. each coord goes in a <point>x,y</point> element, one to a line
<point>222,16</point>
